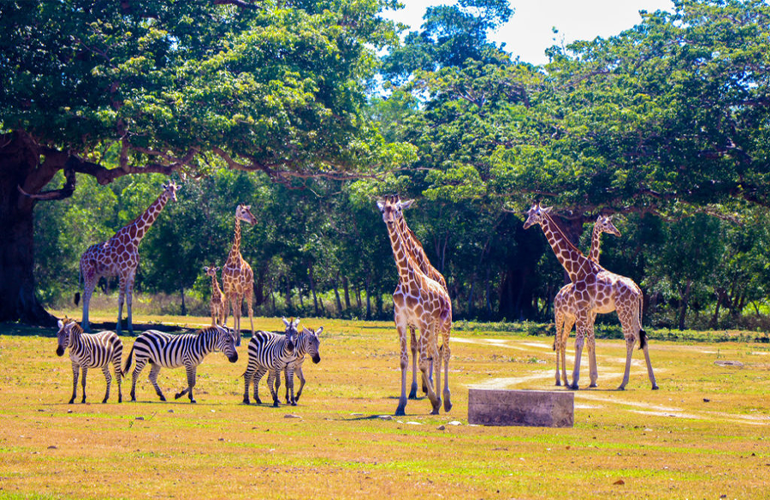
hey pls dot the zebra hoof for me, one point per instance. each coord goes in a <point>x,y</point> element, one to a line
<point>178,395</point>
<point>104,400</point>
<point>293,403</point>
<point>163,398</point>
<point>71,401</point>
<point>655,387</point>
<point>558,383</point>
<point>275,404</point>
<point>246,401</point>
<point>193,401</point>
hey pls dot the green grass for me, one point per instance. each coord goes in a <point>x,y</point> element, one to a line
<point>669,443</point>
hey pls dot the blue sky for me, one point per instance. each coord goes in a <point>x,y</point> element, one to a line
<point>530,30</point>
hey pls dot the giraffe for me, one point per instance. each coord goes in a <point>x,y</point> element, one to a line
<point>217,297</point>
<point>119,256</point>
<point>416,251</point>
<point>596,290</point>
<point>420,302</point>
<point>237,276</point>
<point>564,310</point>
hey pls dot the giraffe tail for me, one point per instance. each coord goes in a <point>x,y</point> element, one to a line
<point>80,280</point>
<point>642,339</point>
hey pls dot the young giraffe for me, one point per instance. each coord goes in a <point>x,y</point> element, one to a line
<point>119,256</point>
<point>565,313</point>
<point>420,302</point>
<point>217,298</point>
<point>596,290</point>
<point>418,254</point>
<point>237,276</point>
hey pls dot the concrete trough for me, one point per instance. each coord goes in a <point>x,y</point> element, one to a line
<point>523,408</point>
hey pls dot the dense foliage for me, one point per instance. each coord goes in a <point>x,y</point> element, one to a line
<point>666,124</point>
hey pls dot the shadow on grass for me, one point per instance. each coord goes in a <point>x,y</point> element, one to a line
<point>22,330</point>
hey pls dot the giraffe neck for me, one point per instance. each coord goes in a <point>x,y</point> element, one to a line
<point>215,286</point>
<point>596,243</point>
<point>144,222</point>
<point>236,249</point>
<point>411,244</point>
<point>400,255</point>
<point>574,262</point>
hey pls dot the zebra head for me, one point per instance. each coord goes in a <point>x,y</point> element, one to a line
<point>63,335</point>
<point>291,332</point>
<point>226,343</point>
<point>313,343</point>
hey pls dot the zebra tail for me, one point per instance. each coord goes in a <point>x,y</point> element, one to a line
<point>128,362</point>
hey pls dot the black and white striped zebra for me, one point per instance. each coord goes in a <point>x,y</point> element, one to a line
<point>269,353</point>
<point>307,343</point>
<point>90,350</point>
<point>162,350</point>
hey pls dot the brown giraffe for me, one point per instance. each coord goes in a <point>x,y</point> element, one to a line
<point>564,307</point>
<point>237,276</point>
<point>119,256</point>
<point>596,291</point>
<point>217,298</point>
<point>422,303</point>
<point>417,253</point>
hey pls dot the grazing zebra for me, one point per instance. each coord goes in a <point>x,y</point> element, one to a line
<point>172,351</point>
<point>269,353</point>
<point>307,343</point>
<point>90,350</point>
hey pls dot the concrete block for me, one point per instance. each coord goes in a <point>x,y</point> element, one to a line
<point>525,408</point>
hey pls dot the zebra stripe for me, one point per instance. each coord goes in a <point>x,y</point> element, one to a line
<point>162,350</point>
<point>307,343</point>
<point>90,350</point>
<point>269,353</point>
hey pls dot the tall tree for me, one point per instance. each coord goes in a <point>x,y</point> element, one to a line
<point>108,89</point>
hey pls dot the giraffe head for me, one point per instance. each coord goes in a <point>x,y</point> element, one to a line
<point>604,225</point>
<point>169,190</point>
<point>211,271</point>
<point>243,212</point>
<point>313,343</point>
<point>390,206</point>
<point>536,215</point>
<point>63,335</point>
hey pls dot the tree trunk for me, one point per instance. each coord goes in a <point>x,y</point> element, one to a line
<point>19,162</point>
<point>184,306</point>
<point>346,285</point>
<point>337,295</point>
<point>683,303</point>
<point>312,290</point>
<point>368,299</point>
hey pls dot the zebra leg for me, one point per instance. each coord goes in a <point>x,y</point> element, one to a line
<point>301,377</point>
<point>135,376</point>
<point>83,383</point>
<point>190,384</point>
<point>154,371</point>
<point>248,376</point>
<point>75,375</point>
<point>119,375</point>
<point>288,375</point>
<point>271,379</point>
<point>257,377</point>
<point>108,378</point>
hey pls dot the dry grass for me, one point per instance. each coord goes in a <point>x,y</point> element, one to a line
<point>670,443</point>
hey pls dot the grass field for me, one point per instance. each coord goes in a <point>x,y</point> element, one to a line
<point>705,434</point>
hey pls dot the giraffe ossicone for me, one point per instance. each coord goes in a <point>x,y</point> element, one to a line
<point>119,256</point>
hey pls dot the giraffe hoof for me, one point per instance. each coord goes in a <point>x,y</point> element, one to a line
<point>558,383</point>
<point>573,387</point>
<point>622,388</point>
<point>593,384</point>
<point>655,387</point>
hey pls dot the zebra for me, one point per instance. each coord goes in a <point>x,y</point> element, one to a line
<point>172,351</point>
<point>90,350</point>
<point>269,353</point>
<point>307,343</point>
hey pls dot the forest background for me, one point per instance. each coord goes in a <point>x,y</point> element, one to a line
<point>310,111</point>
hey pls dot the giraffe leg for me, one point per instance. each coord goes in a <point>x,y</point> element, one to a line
<point>401,409</point>
<point>445,355</point>
<point>129,301</point>
<point>582,326</point>
<point>108,378</point>
<point>593,371</point>
<point>121,299</point>
<point>651,375</point>
<point>75,376</point>
<point>89,284</point>
<point>427,337</point>
<point>413,345</point>
<point>558,325</point>
<point>630,342</point>
<point>567,328</point>
<point>250,304</point>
